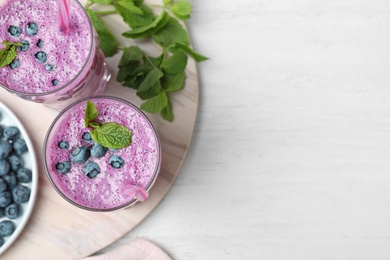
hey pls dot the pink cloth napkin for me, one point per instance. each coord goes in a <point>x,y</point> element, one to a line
<point>137,249</point>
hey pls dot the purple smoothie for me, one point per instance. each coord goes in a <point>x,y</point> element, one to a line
<point>72,61</point>
<point>103,193</point>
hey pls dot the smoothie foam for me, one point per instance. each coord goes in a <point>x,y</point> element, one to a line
<point>141,158</point>
<point>67,54</point>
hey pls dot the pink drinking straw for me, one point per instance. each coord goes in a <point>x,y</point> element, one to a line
<point>63,15</point>
<point>135,192</point>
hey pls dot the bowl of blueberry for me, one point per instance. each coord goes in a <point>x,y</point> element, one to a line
<point>102,154</point>
<point>18,177</point>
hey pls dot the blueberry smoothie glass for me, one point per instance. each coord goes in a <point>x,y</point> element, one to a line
<point>91,176</point>
<point>52,67</point>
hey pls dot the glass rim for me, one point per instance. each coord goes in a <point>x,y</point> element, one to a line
<point>43,94</point>
<point>130,202</point>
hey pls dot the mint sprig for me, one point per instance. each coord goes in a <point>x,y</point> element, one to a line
<point>108,134</point>
<point>153,78</point>
<point>8,54</point>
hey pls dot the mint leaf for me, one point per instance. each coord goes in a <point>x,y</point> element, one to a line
<point>108,43</point>
<point>152,91</point>
<point>155,104</point>
<point>167,112</point>
<point>193,54</point>
<point>90,113</point>
<point>151,85</point>
<point>172,83</point>
<point>103,2</point>
<point>112,135</point>
<point>171,34</point>
<point>167,2</point>
<point>130,7</point>
<point>135,20</point>
<point>175,64</point>
<point>182,9</point>
<point>146,30</point>
<point>8,54</point>
<point>131,55</point>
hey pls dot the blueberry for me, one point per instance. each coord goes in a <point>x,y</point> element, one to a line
<point>25,46</point>
<point>11,180</point>
<point>4,167</point>
<point>49,67</point>
<point>24,175</point>
<point>80,154</point>
<point>98,151</point>
<point>55,82</point>
<point>32,29</point>
<point>40,43</point>
<point>19,146</point>
<point>5,149</point>
<point>14,64</point>
<point>63,167</point>
<point>40,56</point>
<point>15,162</point>
<point>3,185</point>
<point>63,145</point>
<point>1,131</point>
<point>87,137</point>
<point>20,194</point>
<point>5,198</point>
<point>7,227</point>
<point>91,170</point>
<point>2,241</point>
<point>12,211</point>
<point>116,161</point>
<point>15,31</point>
<point>11,132</point>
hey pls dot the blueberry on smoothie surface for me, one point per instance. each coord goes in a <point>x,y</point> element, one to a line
<point>80,154</point>
<point>91,170</point>
<point>15,31</point>
<point>40,56</point>
<point>49,67</point>
<point>25,46</point>
<point>87,137</point>
<point>32,29</point>
<point>14,64</point>
<point>98,150</point>
<point>63,145</point>
<point>116,162</point>
<point>40,43</point>
<point>55,82</point>
<point>63,167</point>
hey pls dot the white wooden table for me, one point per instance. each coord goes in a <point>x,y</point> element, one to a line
<point>290,156</point>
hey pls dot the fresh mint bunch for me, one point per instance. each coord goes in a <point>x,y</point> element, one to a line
<point>108,134</point>
<point>154,78</point>
<point>8,54</point>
